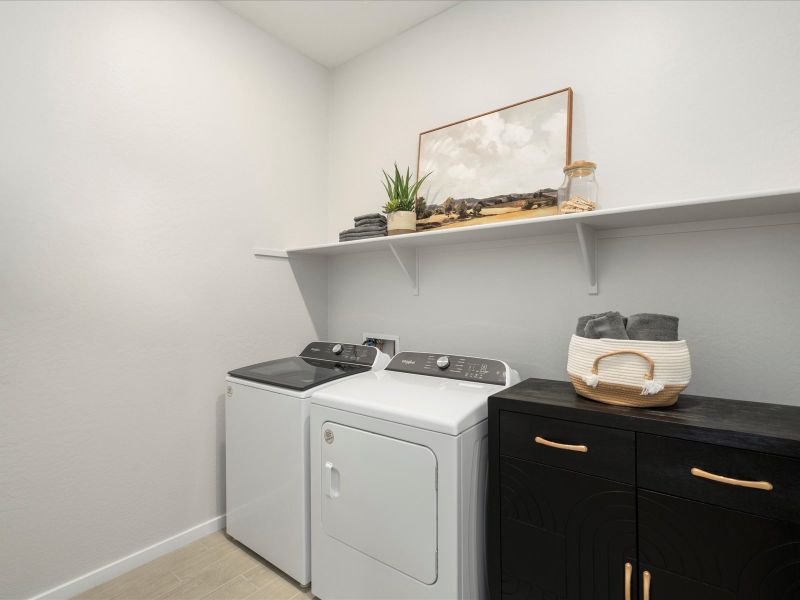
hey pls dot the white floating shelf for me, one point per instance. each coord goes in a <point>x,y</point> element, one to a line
<point>586,225</point>
<point>273,252</point>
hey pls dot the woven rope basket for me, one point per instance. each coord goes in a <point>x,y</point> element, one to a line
<point>629,372</point>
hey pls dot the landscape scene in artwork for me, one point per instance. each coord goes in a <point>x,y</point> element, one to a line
<point>501,166</point>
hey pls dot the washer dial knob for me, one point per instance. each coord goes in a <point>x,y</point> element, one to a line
<point>337,349</point>
<point>443,362</point>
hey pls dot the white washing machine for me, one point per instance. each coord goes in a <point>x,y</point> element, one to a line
<point>398,479</point>
<point>267,448</point>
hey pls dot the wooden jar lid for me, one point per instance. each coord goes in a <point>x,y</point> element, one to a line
<point>580,164</point>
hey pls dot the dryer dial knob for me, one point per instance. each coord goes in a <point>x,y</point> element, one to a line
<point>337,349</point>
<point>443,362</point>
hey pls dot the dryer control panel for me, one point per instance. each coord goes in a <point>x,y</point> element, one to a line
<point>450,366</point>
<point>334,351</point>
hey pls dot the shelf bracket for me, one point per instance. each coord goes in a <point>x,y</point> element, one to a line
<point>408,259</point>
<point>587,240</point>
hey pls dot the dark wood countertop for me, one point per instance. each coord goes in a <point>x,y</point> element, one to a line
<point>772,428</point>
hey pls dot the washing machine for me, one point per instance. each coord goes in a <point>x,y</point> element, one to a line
<point>398,479</point>
<point>267,448</point>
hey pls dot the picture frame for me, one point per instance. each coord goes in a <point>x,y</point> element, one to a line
<point>500,165</point>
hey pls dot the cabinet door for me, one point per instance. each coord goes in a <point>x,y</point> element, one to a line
<point>564,535</point>
<point>697,551</point>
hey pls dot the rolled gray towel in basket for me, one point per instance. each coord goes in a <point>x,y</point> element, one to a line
<point>610,325</point>
<point>580,328</point>
<point>652,326</point>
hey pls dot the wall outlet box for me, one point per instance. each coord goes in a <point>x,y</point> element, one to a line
<point>385,342</point>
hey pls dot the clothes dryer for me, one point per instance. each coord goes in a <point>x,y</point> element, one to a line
<point>398,479</point>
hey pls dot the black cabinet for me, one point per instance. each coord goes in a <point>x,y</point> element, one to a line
<point>594,502</point>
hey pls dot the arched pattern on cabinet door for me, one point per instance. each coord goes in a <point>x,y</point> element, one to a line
<point>754,558</point>
<point>531,547</point>
<point>674,540</point>
<point>773,574</point>
<point>600,539</point>
<point>553,522</point>
<point>521,496</point>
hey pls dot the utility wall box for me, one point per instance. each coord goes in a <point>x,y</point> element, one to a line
<point>387,343</point>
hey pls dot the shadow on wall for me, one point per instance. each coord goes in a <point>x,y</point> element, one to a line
<point>311,275</point>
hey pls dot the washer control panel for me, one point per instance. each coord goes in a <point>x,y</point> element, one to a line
<point>338,352</point>
<point>465,368</point>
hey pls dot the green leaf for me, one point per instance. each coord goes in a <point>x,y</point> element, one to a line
<point>390,206</point>
<point>398,182</point>
<point>417,185</point>
<point>401,192</point>
<point>387,185</point>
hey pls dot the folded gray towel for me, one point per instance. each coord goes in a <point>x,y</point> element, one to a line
<point>359,236</point>
<point>610,325</point>
<point>651,326</point>
<point>361,222</point>
<point>367,229</point>
<point>364,232</point>
<point>369,216</point>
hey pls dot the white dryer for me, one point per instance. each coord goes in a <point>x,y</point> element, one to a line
<point>267,448</point>
<point>398,479</point>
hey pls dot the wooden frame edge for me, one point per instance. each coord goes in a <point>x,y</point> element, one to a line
<point>489,112</point>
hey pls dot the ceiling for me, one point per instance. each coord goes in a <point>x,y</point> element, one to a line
<point>331,32</point>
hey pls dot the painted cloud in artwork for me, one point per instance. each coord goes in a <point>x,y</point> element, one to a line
<point>517,150</point>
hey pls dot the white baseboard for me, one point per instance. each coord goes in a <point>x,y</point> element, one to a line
<point>113,569</point>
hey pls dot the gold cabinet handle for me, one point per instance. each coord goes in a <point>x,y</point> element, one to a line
<point>570,447</point>
<point>628,573</point>
<point>756,485</point>
<point>646,585</point>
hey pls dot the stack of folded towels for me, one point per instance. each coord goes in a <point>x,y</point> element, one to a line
<point>366,226</point>
<point>642,326</point>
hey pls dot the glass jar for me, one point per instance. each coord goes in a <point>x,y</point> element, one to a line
<point>579,191</point>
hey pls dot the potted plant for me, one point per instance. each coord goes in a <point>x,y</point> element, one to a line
<point>400,210</point>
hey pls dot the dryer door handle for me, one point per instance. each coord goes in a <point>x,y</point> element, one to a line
<point>332,480</point>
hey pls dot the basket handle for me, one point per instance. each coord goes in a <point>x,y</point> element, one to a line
<point>651,366</point>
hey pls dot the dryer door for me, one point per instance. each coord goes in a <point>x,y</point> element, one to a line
<point>379,497</point>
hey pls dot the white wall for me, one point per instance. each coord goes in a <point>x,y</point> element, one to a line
<point>146,147</point>
<point>673,100</point>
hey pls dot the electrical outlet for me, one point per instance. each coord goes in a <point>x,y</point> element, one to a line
<point>385,342</point>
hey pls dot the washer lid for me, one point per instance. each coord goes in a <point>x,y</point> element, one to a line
<point>297,373</point>
<point>318,363</point>
<point>444,405</point>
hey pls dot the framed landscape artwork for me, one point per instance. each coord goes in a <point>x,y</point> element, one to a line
<point>498,166</point>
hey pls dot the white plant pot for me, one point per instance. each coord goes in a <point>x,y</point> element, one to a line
<point>401,221</point>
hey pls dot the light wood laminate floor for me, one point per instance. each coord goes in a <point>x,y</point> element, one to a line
<point>214,567</point>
